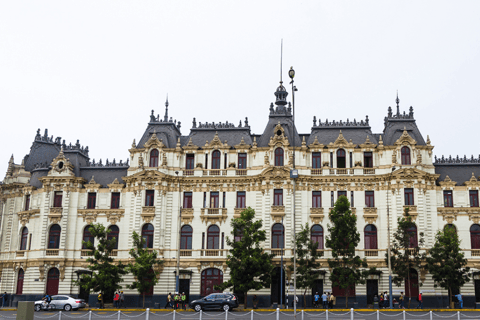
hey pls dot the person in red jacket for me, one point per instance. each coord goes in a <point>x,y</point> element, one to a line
<point>420,300</point>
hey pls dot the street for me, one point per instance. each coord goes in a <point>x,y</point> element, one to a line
<point>248,315</point>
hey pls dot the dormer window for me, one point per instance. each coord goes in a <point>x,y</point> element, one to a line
<point>279,157</point>
<point>216,159</point>
<point>406,155</point>
<point>57,200</point>
<point>154,158</point>
<point>92,200</point>
<point>341,163</point>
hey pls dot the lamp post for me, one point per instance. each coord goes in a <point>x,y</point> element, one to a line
<point>177,273</point>
<point>294,175</point>
<point>390,297</point>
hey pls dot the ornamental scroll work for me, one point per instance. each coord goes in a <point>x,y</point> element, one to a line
<point>91,215</point>
<point>25,216</point>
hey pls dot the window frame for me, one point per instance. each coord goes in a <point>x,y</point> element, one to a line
<point>370,199</point>
<point>216,158</point>
<point>114,234</point>
<point>448,198</point>
<point>149,198</point>
<point>473,197</point>
<point>316,160</point>
<point>368,159</point>
<point>475,236</point>
<point>153,158</point>
<point>278,197</point>
<point>148,234</point>
<point>214,199</point>
<point>54,236</point>
<point>87,236</point>
<point>241,199</point>
<point>409,196</point>
<point>242,160</point>
<point>341,162</point>
<point>316,199</point>
<point>57,199</point>
<point>190,161</point>
<point>279,157</point>
<point>186,237</point>
<point>317,235</point>
<point>24,238</point>
<point>278,236</point>
<point>115,200</point>
<point>188,200</point>
<point>91,200</point>
<point>406,158</point>
<point>213,237</point>
<point>370,237</point>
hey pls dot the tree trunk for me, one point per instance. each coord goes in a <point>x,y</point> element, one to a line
<point>346,299</point>
<point>304,300</point>
<point>409,297</point>
<point>143,300</point>
<point>245,296</point>
<point>451,303</point>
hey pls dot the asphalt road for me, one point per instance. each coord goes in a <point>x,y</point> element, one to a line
<point>241,315</point>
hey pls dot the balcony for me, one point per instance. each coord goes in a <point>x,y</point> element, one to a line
<point>86,253</point>
<point>316,172</point>
<point>215,172</point>
<point>277,213</point>
<point>341,171</point>
<point>368,171</point>
<point>316,215</point>
<point>52,252</point>
<point>187,215</point>
<point>189,172</point>
<point>278,252</point>
<point>114,253</point>
<point>370,214</point>
<point>371,252</point>
<point>212,253</point>
<point>148,213</point>
<point>214,215</point>
<point>25,216</point>
<point>241,172</point>
<point>185,253</point>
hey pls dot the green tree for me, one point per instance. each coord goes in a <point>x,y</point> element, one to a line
<point>405,254</point>
<point>343,239</point>
<point>143,266</point>
<point>307,264</point>
<point>106,275</point>
<point>250,267</point>
<point>446,263</point>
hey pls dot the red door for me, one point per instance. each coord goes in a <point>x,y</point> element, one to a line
<point>412,284</point>
<point>210,278</point>
<point>21,275</point>
<point>52,281</point>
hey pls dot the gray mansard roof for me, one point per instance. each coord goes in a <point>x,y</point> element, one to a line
<point>458,169</point>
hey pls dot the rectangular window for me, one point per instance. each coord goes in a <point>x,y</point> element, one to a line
<point>203,240</point>
<point>150,195</point>
<point>214,200</point>
<point>341,193</point>
<point>204,199</point>
<point>187,200</point>
<point>57,200</point>
<point>278,197</point>
<point>369,199</point>
<point>473,198</point>
<point>331,160</point>
<point>225,161</point>
<point>190,162</point>
<point>409,197</point>
<point>332,200</point>
<point>351,160</point>
<point>448,198</point>
<point>316,160</point>
<point>352,203</point>
<point>115,203</point>
<point>241,199</point>
<point>206,161</point>
<point>223,240</point>
<point>27,202</point>
<point>368,160</point>
<point>92,200</point>
<point>223,199</point>
<point>316,199</point>
<point>242,161</point>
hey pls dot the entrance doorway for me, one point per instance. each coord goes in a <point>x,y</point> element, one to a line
<point>185,287</point>
<point>411,287</point>
<point>372,290</point>
<point>53,281</point>
<point>211,277</point>
<point>276,288</point>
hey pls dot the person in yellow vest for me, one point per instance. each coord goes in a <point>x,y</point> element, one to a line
<point>184,300</point>
<point>99,300</point>
<point>169,301</point>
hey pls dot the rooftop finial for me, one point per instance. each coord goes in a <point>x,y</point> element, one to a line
<point>398,106</point>
<point>165,118</point>
<point>281,60</point>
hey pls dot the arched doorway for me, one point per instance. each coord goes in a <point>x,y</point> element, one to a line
<point>276,289</point>
<point>210,278</point>
<point>411,287</point>
<point>21,276</point>
<point>53,281</point>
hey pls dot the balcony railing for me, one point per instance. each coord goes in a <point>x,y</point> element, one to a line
<point>316,172</point>
<point>185,253</point>
<point>212,253</point>
<point>475,253</point>
<point>114,253</point>
<point>371,253</point>
<point>215,172</point>
<point>52,252</point>
<point>368,171</point>
<point>188,172</point>
<point>86,253</point>
<point>278,252</point>
<point>237,212</point>
<point>241,172</point>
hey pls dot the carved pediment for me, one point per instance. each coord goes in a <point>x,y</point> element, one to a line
<point>190,146</point>
<point>368,143</point>
<point>144,175</point>
<point>153,142</point>
<point>448,183</point>
<point>316,146</point>
<point>215,144</point>
<point>61,165</point>
<point>405,139</point>
<point>25,216</point>
<point>276,173</point>
<point>115,186</point>
<point>473,182</point>
<point>341,141</point>
<point>92,185</point>
<point>242,146</point>
<point>278,138</point>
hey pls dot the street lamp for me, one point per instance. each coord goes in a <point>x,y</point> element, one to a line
<point>390,297</point>
<point>177,273</point>
<point>294,175</point>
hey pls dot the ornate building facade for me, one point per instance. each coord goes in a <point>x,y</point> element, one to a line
<point>184,190</point>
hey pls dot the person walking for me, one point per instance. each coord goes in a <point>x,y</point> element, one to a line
<point>385,300</point>
<point>116,300</point>
<point>169,300</point>
<point>99,300</point>
<point>175,302</point>
<point>331,301</point>
<point>316,299</point>
<point>401,300</point>
<point>255,301</point>
<point>460,300</point>
<point>420,300</point>
<point>122,299</point>
<point>184,301</point>
<point>324,300</point>
<point>5,299</point>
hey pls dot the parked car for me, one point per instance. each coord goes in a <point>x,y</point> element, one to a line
<point>215,301</point>
<point>66,303</point>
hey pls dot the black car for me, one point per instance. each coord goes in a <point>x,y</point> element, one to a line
<point>215,301</point>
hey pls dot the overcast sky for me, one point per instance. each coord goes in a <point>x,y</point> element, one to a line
<point>94,70</point>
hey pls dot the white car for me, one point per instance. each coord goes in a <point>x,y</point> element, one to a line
<point>64,302</point>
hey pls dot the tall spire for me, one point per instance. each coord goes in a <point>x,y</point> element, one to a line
<point>281,61</point>
<point>398,106</point>
<point>165,118</point>
<point>281,93</point>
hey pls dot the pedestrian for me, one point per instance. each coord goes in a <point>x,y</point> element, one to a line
<point>381,301</point>
<point>324,300</point>
<point>332,301</point>
<point>460,300</point>
<point>175,302</point>
<point>169,300</point>
<point>296,301</point>
<point>184,301</point>
<point>420,300</point>
<point>5,299</point>
<point>385,300</point>
<point>122,299</point>
<point>255,301</point>
<point>116,300</point>
<point>402,301</point>
<point>316,299</point>
<point>99,300</point>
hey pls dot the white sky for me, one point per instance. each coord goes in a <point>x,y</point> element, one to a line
<point>93,70</point>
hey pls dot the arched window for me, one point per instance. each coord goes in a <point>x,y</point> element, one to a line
<point>21,276</point>
<point>279,157</point>
<point>370,237</point>
<point>412,237</point>
<point>54,237</point>
<point>450,227</point>
<point>341,159</point>
<point>147,234</point>
<point>278,234</point>
<point>405,155</point>
<point>87,236</point>
<point>52,281</point>
<point>216,159</point>
<point>475,236</point>
<point>23,240</point>
<point>114,234</point>
<point>154,158</point>
<point>210,278</point>
<point>317,235</point>
<point>186,237</point>
<point>213,237</point>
